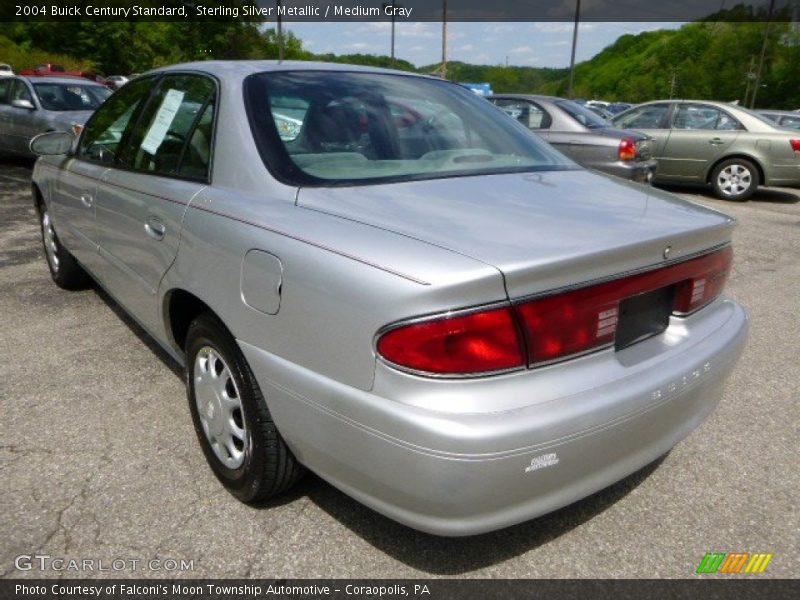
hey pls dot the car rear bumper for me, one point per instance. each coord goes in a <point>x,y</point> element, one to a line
<point>461,473</point>
<point>640,171</point>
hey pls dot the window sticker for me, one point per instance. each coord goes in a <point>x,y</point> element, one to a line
<point>162,121</point>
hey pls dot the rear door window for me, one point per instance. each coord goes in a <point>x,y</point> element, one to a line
<point>650,116</point>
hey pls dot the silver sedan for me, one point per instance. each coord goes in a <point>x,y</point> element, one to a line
<point>33,105</point>
<point>382,278</point>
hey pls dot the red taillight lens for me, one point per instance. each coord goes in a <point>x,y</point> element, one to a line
<point>627,149</point>
<point>476,343</point>
<point>578,321</point>
<point>554,327</point>
<point>795,145</point>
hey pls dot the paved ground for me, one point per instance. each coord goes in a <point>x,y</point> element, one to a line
<point>99,459</point>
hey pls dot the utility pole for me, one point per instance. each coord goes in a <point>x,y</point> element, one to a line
<point>763,53</point>
<point>574,45</point>
<point>280,33</point>
<point>750,76</point>
<point>392,4</point>
<point>444,39</point>
<point>673,84</point>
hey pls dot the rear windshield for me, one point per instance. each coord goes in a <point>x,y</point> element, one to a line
<point>70,96</point>
<point>583,115</point>
<point>329,128</point>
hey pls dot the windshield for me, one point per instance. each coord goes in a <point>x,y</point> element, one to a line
<point>582,115</point>
<point>70,96</point>
<point>329,128</point>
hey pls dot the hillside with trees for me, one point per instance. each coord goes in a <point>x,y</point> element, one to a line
<point>708,60</point>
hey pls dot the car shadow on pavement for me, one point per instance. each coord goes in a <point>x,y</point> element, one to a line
<point>773,195</point>
<point>454,556</point>
<point>139,332</point>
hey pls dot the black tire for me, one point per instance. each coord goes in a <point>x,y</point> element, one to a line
<point>65,270</point>
<point>735,179</point>
<point>267,466</point>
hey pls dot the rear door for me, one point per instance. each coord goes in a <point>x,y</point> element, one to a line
<point>700,134</point>
<point>650,119</point>
<point>5,114</point>
<point>164,163</point>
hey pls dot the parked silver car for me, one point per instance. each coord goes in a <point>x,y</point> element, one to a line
<point>583,135</point>
<point>33,105</point>
<point>783,118</point>
<point>406,293</point>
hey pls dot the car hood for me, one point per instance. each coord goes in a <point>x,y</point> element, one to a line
<point>68,117</point>
<point>541,230</point>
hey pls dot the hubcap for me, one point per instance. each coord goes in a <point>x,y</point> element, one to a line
<point>219,407</point>
<point>50,243</point>
<point>734,180</point>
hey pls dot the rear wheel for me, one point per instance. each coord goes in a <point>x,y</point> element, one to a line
<point>231,419</point>
<point>64,268</point>
<point>735,179</point>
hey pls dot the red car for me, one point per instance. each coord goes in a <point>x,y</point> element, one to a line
<point>59,71</point>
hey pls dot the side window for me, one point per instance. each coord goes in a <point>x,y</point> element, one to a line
<point>112,122</point>
<point>173,134</point>
<point>528,113</point>
<point>791,122</point>
<point>5,86</point>
<point>644,117</point>
<point>704,117</point>
<point>19,91</point>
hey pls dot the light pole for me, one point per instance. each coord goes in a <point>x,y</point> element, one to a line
<point>763,53</point>
<point>574,45</point>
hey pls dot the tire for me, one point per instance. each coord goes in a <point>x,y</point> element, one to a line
<point>65,270</point>
<point>238,436</point>
<point>735,179</point>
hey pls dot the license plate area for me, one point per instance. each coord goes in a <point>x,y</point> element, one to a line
<point>643,316</point>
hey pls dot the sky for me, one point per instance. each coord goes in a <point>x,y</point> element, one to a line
<point>544,44</point>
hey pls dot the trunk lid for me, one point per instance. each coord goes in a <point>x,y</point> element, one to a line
<point>541,230</point>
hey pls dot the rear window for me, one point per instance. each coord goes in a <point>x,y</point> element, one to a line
<point>334,128</point>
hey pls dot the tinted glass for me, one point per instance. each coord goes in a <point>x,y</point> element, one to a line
<point>650,116</point>
<point>167,125</point>
<point>19,91</point>
<point>111,123</point>
<point>526,112</point>
<point>5,87</point>
<point>70,96</point>
<point>328,128</point>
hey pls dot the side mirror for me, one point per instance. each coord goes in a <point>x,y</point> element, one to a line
<point>22,103</point>
<point>52,143</point>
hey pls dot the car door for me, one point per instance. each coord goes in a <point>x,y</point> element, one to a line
<point>164,163</point>
<point>73,204</point>
<point>652,120</point>
<point>699,136</point>
<point>20,121</point>
<point>5,114</point>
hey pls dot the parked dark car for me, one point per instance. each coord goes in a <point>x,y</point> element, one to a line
<point>784,118</point>
<point>582,135</point>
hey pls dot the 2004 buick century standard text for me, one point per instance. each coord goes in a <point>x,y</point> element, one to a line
<point>383,278</point>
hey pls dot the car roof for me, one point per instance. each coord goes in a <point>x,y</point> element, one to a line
<point>59,79</point>
<point>529,96</point>
<point>242,68</point>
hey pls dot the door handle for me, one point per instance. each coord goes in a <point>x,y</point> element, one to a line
<point>715,141</point>
<point>87,200</point>
<point>155,229</point>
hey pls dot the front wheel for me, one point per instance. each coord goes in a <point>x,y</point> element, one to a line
<point>235,429</point>
<point>64,268</point>
<point>735,179</point>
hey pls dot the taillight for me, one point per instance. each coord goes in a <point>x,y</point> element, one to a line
<point>475,343</point>
<point>795,145</point>
<point>583,320</point>
<point>627,149</point>
<point>553,327</point>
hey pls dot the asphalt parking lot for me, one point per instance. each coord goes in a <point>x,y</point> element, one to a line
<point>99,459</point>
